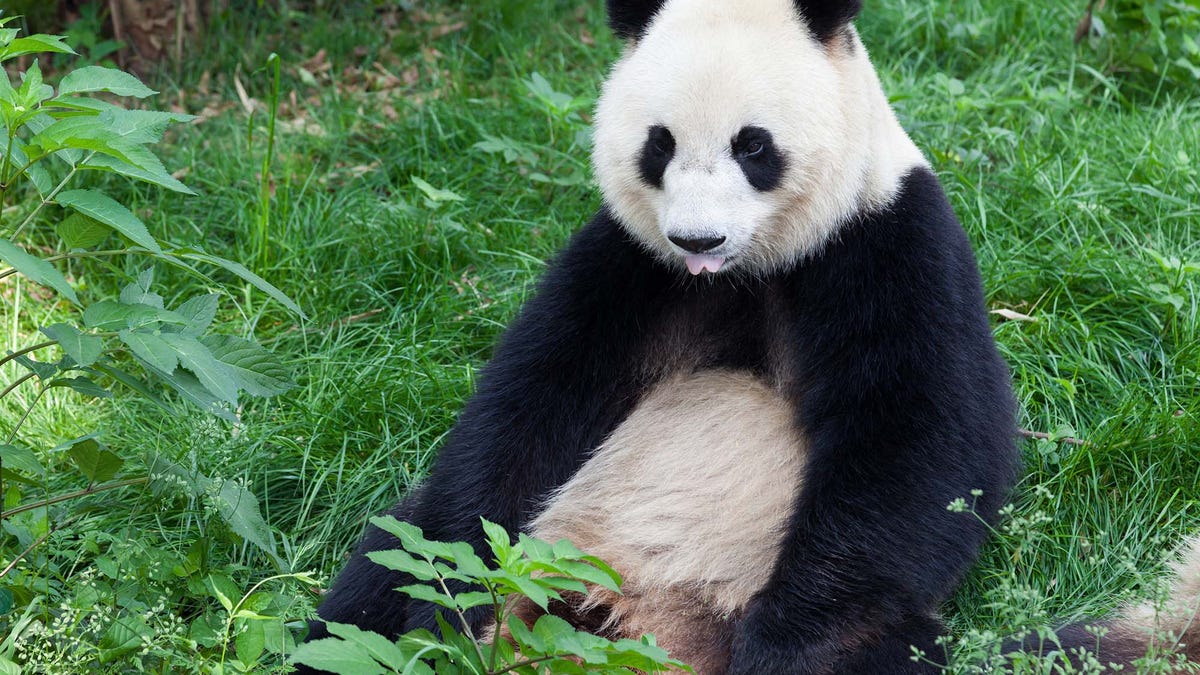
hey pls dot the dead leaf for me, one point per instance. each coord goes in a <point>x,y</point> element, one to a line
<point>1010,315</point>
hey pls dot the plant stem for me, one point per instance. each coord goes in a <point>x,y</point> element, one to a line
<point>53,193</point>
<point>23,352</point>
<point>20,380</point>
<point>521,664</point>
<point>462,618</point>
<point>80,254</point>
<point>37,542</point>
<point>90,490</point>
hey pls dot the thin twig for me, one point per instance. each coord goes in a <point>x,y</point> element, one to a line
<point>90,490</point>
<point>37,542</point>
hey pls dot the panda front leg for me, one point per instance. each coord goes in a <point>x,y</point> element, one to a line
<point>563,376</point>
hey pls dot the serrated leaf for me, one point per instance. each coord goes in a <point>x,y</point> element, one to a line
<point>112,315</point>
<point>223,589</point>
<point>246,275</point>
<point>138,292</point>
<point>99,78</point>
<point>94,461</point>
<point>239,509</point>
<point>403,562</point>
<point>36,270</point>
<point>106,210</point>
<point>21,459</point>
<point>151,349</point>
<point>219,379</point>
<point>378,646</point>
<point>36,173</point>
<point>35,44</point>
<point>84,349</point>
<point>136,385</point>
<point>428,594</point>
<point>190,387</point>
<point>41,369</point>
<point>160,178</point>
<point>199,311</point>
<point>257,370</point>
<point>81,385</point>
<point>81,232</point>
<point>335,656</point>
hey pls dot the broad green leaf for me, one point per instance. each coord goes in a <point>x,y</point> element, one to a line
<point>81,232</point>
<point>160,178</point>
<point>36,173</point>
<point>81,347</point>
<point>239,509</point>
<point>135,384</point>
<point>150,348</point>
<point>190,387</point>
<point>378,646</point>
<point>112,315</point>
<point>428,594</point>
<point>99,78</point>
<point>94,133</point>
<point>219,379</point>
<point>108,211</point>
<point>139,293</point>
<point>335,656</point>
<point>32,90</point>
<point>82,385</point>
<point>35,44</point>
<point>434,194</point>
<point>6,603</point>
<point>42,370</point>
<point>142,126</point>
<point>96,462</point>
<point>124,636</point>
<point>20,459</point>
<point>199,312</point>
<point>36,270</point>
<point>243,273</point>
<point>223,589</point>
<point>250,642</point>
<point>257,370</point>
<point>403,562</point>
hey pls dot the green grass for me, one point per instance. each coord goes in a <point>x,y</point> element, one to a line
<point>1071,181</point>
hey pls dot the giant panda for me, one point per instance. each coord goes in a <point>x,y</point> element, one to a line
<point>754,381</point>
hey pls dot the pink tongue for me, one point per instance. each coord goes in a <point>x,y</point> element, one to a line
<point>699,263</point>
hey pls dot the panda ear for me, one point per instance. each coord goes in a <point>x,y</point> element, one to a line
<point>629,18</point>
<point>827,17</point>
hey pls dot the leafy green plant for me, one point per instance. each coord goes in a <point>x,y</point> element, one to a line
<point>63,233</point>
<point>529,568</point>
<point>1160,37</point>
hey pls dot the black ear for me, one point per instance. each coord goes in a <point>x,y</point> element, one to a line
<point>629,18</point>
<point>826,17</point>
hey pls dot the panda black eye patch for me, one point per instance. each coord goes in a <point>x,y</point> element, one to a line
<point>657,152</point>
<point>754,150</point>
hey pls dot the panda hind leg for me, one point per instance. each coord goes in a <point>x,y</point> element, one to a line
<point>893,652</point>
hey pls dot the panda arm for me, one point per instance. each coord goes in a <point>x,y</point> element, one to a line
<point>906,406</point>
<point>562,377</point>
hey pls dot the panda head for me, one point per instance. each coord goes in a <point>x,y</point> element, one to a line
<point>737,135</point>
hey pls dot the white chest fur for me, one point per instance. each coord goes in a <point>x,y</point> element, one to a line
<point>687,499</point>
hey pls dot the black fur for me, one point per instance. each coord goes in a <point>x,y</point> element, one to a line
<point>657,152</point>
<point>881,341</point>
<point>629,18</point>
<point>825,18</point>
<point>762,162</point>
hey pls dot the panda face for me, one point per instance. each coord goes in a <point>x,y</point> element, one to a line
<point>730,136</point>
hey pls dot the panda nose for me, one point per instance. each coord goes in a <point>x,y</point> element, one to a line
<point>697,244</point>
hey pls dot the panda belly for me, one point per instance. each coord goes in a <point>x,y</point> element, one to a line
<point>688,500</point>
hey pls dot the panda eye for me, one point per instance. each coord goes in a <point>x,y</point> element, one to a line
<point>661,140</point>
<point>754,149</point>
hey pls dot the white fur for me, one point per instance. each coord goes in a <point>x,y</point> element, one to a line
<point>707,68</point>
<point>689,497</point>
